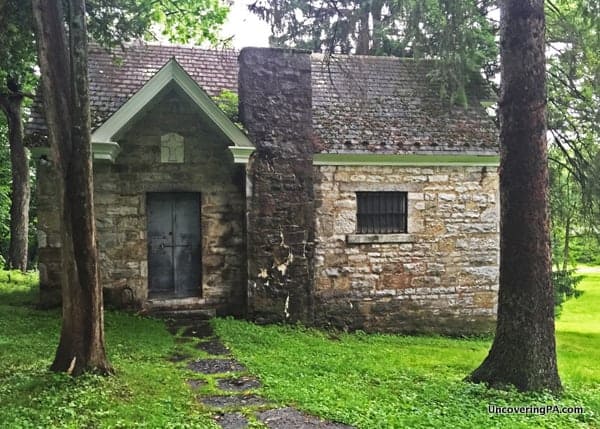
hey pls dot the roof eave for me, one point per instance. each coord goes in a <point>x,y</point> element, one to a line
<point>103,137</point>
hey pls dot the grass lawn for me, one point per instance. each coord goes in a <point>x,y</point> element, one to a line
<point>387,381</point>
<point>148,391</point>
<point>371,381</point>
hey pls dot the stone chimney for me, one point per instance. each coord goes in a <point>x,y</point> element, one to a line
<point>276,108</point>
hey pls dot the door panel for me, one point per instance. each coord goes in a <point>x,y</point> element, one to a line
<point>174,257</point>
<point>160,252</point>
<point>186,238</point>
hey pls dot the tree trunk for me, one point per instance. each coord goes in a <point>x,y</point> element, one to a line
<point>565,266</point>
<point>363,38</point>
<point>20,189</point>
<point>377,37</point>
<point>66,103</point>
<point>523,353</point>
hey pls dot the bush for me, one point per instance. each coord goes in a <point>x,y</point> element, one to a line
<point>565,283</point>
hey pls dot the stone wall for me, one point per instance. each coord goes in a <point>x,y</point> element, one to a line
<point>275,107</point>
<point>49,240</point>
<point>441,276</point>
<point>120,207</point>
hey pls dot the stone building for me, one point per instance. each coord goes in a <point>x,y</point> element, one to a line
<point>353,198</point>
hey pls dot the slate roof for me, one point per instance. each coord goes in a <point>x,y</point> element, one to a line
<point>360,104</point>
<point>113,79</point>
<point>387,105</point>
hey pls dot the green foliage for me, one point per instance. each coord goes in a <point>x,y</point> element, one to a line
<point>228,102</point>
<point>565,284</point>
<point>458,34</point>
<point>372,381</point>
<point>5,180</point>
<point>113,22</point>
<point>573,97</point>
<point>578,335</point>
<point>110,23</point>
<point>565,209</point>
<point>585,249</point>
<point>17,46</point>
<point>388,381</point>
<point>147,390</point>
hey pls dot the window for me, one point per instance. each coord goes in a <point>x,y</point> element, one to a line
<point>381,212</point>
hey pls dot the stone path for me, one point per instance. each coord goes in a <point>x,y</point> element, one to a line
<point>239,406</point>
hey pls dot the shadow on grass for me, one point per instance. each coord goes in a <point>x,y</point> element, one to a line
<point>19,295</point>
<point>18,289</point>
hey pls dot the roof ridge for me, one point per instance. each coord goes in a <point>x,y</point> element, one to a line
<point>138,44</point>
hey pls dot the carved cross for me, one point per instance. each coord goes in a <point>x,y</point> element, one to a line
<point>171,148</point>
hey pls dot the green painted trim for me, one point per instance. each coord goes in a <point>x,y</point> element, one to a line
<point>241,155</point>
<point>105,151</point>
<point>102,151</point>
<point>404,160</point>
<point>170,72</point>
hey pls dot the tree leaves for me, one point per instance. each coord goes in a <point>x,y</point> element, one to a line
<point>113,22</point>
<point>573,98</point>
<point>458,34</point>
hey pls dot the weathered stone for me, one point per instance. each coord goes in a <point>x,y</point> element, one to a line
<point>282,200</point>
<point>120,200</point>
<point>298,244</point>
<point>238,384</point>
<point>232,420</point>
<point>215,366</point>
<point>213,347</point>
<point>291,418</point>
<point>236,401</point>
<point>407,287</point>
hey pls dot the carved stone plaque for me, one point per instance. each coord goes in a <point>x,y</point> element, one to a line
<point>171,148</point>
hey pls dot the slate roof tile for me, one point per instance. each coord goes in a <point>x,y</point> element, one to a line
<point>360,104</point>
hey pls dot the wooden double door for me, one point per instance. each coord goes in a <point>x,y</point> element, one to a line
<point>174,245</point>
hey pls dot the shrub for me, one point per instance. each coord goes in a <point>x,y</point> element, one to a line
<point>565,283</point>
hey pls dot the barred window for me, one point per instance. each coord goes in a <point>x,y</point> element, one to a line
<point>381,212</point>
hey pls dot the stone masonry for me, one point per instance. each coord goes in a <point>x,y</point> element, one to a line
<point>120,208</point>
<point>442,276</point>
<point>279,234</point>
<point>275,107</point>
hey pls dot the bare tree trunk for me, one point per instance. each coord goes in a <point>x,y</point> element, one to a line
<point>377,37</point>
<point>20,190</point>
<point>523,353</point>
<point>565,266</point>
<point>66,103</point>
<point>363,37</point>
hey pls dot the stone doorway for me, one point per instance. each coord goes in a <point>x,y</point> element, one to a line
<point>174,240</point>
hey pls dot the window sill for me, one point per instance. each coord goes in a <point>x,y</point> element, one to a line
<point>379,238</point>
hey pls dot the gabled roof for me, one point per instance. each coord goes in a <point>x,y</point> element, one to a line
<point>170,73</point>
<point>115,78</point>
<point>361,104</point>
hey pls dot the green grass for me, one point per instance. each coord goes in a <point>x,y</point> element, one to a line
<point>371,381</point>
<point>387,381</point>
<point>578,334</point>
<point>147,391</point>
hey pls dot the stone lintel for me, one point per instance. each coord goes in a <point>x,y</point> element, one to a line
<point>379,238</point>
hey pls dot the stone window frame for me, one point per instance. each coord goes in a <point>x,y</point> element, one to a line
<point>381,238</point>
